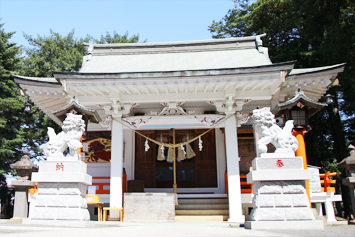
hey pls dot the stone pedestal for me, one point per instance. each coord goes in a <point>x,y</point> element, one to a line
<point>349,165</point>
<point>21,197</point>
<point>61,191</point>
<point>350,182</point>
<point>280,197</point>
<point>149,207</point>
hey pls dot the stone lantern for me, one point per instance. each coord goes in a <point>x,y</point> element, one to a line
<point>299,109</point>
<point>24,169</point>
<point>349,165</point>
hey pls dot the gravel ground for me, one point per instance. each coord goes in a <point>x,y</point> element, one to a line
<point>345,230</point>
<point>164,229</point>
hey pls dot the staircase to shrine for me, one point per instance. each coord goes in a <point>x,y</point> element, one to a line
<point>201,209</point>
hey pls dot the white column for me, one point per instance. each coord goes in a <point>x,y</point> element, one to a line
<point>319,208</point>
<point>116,167</point>
<point>234,192</point>
<point>329,209</point>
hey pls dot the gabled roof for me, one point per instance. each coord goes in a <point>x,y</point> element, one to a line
<point>176,56</point>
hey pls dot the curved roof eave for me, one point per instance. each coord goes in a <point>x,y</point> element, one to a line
<point>285,66</point>
<point>298,73</point>
<point>37,81</point>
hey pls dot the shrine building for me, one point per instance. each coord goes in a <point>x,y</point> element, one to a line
<point>173,92</point>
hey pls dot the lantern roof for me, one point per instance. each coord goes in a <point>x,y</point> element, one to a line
<point>25,163</point>
<point>74,104</point>
<point>350,160</point>
<point>300,100</point>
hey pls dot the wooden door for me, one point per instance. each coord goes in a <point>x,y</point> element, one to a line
<point>205,160</point>
<point>145,162</point>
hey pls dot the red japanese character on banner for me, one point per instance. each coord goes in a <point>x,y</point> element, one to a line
<point>279,163</point>
<point>59,167</point>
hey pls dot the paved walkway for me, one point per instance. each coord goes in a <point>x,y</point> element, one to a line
<point>163,230</point>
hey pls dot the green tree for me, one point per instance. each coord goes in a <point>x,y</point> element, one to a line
<point>11,103</point>
<point>53,53</point>
<point>116,39</point>
<point>315,33</point>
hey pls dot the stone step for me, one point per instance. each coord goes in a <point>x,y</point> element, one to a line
<point>201,212</point>
<point>203,201</point>
<point>202,207</point>
<point>201,218</point>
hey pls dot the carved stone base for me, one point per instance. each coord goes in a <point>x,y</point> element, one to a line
<point>60,201</point>
<point>149,207</point>
<point>61,191</point>
<point>280,196</point>
<point>280,201</point>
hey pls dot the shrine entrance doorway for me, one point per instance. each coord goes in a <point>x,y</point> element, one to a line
<point>197,172</point>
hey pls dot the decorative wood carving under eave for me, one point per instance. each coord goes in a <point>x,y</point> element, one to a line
<point>106,122</point>
<point>242,118</point>
<point>172,108</point>
<point>208,120</point>
<point>137,122</point>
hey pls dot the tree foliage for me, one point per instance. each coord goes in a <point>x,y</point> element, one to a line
<point>53,53</point>
<point>11,103</point>
<point>117,39</point>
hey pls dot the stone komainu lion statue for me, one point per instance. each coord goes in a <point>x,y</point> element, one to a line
<point>73,128</point>
<point>269,132</point>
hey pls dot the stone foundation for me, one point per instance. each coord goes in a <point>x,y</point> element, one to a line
<point>149,207</point>
<point>280,197</point>
<point>61,191</point>
<point>276,201</point>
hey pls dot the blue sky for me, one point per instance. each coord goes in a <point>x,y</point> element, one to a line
<point>154,20</point>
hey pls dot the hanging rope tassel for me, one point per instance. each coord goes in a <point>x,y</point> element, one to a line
<point>181,153</point>
<point>161,153</point>
<point>200,143</point>
<point>189,152</point>
<point>146,146</point>
<point>170,154</point>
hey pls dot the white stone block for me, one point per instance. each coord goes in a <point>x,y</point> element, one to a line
<point>57,201</point>
<point>71,189</point>
<point>283,200</point>
<point>47,188</point>
<point>149,207</point>
<point>41,200</point>
<point>272,175</point>
<point>267,214</point>
<point>293,187</point>
<point>268,188</point>
<point>300,200</point>
<point>277,163</point>
<point>73,214</point>
<point>62,167</point>
<point>42,213</point>
<point>60,178</point>
<point>77,201</point>
<point>266,200</point>
<point>299,214</point>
